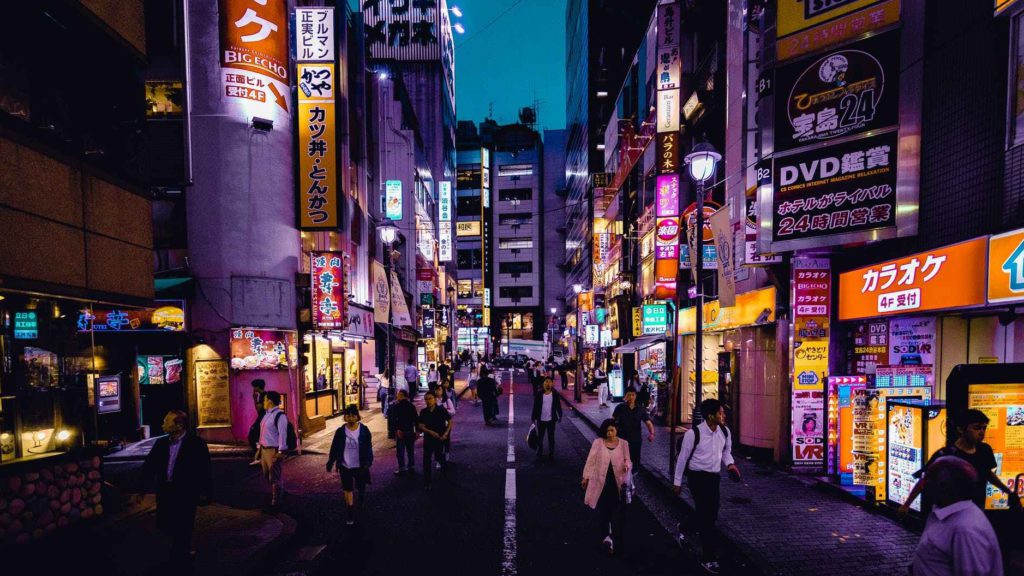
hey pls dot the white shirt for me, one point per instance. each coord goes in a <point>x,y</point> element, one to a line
<point>714,451</point>
<point>351,457</point>
<point>432,376</point>
<point>958,539</point>
<point>272,436</point>
<point>545,407</point>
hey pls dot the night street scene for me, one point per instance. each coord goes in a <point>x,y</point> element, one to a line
<point>512,287</point>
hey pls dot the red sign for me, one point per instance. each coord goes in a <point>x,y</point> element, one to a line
<point>329,297</point>
<point>253,349</point>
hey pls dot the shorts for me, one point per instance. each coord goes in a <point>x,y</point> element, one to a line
<point>351,478</point>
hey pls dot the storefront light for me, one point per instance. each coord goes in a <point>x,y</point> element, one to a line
<point>63,435</point>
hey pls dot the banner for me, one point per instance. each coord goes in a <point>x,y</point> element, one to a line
<point>318,174</point>
<point>721,227</point>
<point>399,309</point>
<point>812,290</point>
<point>381,293</point>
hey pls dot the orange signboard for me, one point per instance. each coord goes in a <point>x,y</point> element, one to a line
<point>1006,267</point>
<point>940,279</point>
<point>254,54</point>
<point>752,308</point>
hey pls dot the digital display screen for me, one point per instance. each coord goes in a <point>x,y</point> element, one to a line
<point>1004,405</point>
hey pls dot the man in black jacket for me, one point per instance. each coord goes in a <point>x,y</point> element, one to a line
<point>180,464</point>
<point>487,391</point>
<point>547,410</point>
<point>402,420</point>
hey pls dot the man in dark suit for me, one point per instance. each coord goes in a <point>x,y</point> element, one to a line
<point>547,411</point>
<point>180,465</point>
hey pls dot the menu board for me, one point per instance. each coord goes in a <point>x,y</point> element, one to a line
<point>1004,405</point>
<point>212,394</point>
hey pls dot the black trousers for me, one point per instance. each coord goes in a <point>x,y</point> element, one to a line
<point>490,408</point>
<point>706,490</point>
<point>176,518</point>
<point>432,449</point>
<point>549,429</point>
<point>636,445</point>
<point>565,380</point>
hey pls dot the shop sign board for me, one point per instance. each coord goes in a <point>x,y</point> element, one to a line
<point>668,110</point>
<point>592,334</point>
<point>318,174</point>
<point>667,195</point>
<point>669,65</point>
<point>444,202</point>
<point>254,58</point>
<point>168,316</point>
<point>667,152</point>
<point>944,278</point>
<point>314,36</point>
<point>467,228</point>
<point>408,31</point>
<point>846,91</point>
<point>393,199</point>
<point>428,319</point>
<point>834,30</point>
<point>870,346</point>
<point>606,340</point>
<point>655,318</point>
<point>1006,267</point>
<point>753,308</point>
<point>213,397</point>
<point>870,466</point>
<point>1004,405</point>
<point>399,308</point>
<point>360,322</point>
<point>638,323</point>
<point>808,431</point>
<point>256,349</point>
<point>26,325</point>
<point>444,243</point>
<point>328,298</point>
<point>811,306</point>
<point>1002,5</point>
<point>796,15</point>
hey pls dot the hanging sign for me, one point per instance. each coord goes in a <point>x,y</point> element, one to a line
<point>328,298</point>
<point>314,38</point>
<point>318,173</point>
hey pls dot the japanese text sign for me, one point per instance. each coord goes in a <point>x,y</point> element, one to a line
<point>667,197</point>
<point>26,325</point>
<point>655,318</point>
<point>253,349</point>
<point>329,300</point>
<point>837,30</point>
<point>444,202</point>
<point>1006,267</point>
<point>405,29</point>
<point>318,174</point>
<point>444,244</point>
<point>254,56</point>
<point>393,199</point>
<point>812,289</point>
<point>667,153</point>
<point>797,15</point>
<point>168,316</point>
<point>592,334</point>
<point>944,278</point>
<point>314,38</point>
<point>669,66</point>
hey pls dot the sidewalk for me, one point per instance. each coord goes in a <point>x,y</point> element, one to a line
<point>784,523</point>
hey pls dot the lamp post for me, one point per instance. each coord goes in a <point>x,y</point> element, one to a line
<point>577,392</point>
<point>388,233</point>
<point>452,334</point>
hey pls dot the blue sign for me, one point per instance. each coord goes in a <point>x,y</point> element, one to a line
<point>26,325</point>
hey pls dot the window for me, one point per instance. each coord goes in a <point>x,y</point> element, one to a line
<point>515,170</point>
<point>515,292</point>
<point>469,259</point>
<point>515,268</point>
<point>513,194</point>
<point>468,206</point>
<point>517,219</point>
<point>515,243</point>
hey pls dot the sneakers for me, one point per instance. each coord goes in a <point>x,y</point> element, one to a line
<point>710,567</point>
<point>608,544</point>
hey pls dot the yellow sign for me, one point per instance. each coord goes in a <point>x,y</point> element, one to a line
<point>487,316</point>
<point>752,308</point>
<point>1002,5</point>
<point>318,173</point>
<point>834,31</point>
<point>1004,405</point>
<point>638,324</point>
<point>471,228</point>
<point>797,15</point>
<point>810,365</point>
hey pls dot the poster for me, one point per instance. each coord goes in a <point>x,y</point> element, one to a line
<point>721,227</point>
<point>256,349</point>
<point>809,428</point>
<point>254,58</point>
<point>912,341</point>
<point>905,453</point>
<point>213,400</point>
<point>870,346</point>
<point>1004,405</point>
<point>869,433</point>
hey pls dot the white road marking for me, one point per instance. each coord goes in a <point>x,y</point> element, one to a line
<point>510,552</point>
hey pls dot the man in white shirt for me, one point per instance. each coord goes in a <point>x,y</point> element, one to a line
<point>412,380</point>
<point>958,538</point>
<point>705,448</point>
<point>273,445</point>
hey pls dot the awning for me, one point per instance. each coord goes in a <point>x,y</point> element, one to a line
<point>639,344</point>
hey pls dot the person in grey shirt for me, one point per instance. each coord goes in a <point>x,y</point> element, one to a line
<point>957,538</point>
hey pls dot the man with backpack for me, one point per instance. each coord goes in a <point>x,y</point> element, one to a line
<point>277,437</point>
<point>705,449</point>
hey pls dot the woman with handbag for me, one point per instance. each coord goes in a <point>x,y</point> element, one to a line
<point>607,482</point>
<point>352,451</point>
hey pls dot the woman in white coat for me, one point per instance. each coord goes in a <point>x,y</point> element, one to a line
<point>605,475</point>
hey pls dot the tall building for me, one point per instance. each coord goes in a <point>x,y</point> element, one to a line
<point>554,231</point>
<point>601,38</point>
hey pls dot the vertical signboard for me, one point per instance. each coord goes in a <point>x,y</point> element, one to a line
<point>381,293</point>
<point>314,38</point>
<point>668,69</point>
<point>213,398</point>
<point>254,57</point>
<point>444,202</point>
<point>486,242</point>
<point>667,153</point>
<point>667,232</point>
<point>812,287</point>
<point>329,300</point>
<point>318,175</point>
<point>393,200</point>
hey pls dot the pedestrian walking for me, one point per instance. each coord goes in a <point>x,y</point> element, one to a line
<point>352,451</point>
<point>630,417</point>
<point>601,379</point>
<point>179,463</point>
<point>957,538</point>
<point>436,424</point>
<point>384,392</point>
<point>563,375</point>
<point>643,394</point>
<point>547,411</point>
<point>606,477</point>
<point>259,387</point>
<point>472,379</point>
<point>273,445</point>
<point>537,378</point>
<point>448,383</point>
<point>412,380</point>
<point>487,388</point>
<point>402,424</point>
<point>705,449</point>
<point>443,371</point>
<point>970,446</point>
<point>432,378</point>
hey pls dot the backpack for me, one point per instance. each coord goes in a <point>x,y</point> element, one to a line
<point>290,440</point>
<point>696,442</point>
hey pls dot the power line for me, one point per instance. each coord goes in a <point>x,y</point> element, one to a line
<point>489,24</point>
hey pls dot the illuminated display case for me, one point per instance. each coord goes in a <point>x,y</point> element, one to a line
<point>915,430</point>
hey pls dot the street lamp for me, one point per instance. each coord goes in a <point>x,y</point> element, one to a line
<point>388,234</point>
<point>701,164</point>
<point>577,392</point>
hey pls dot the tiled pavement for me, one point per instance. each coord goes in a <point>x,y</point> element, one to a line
<point>787,524</point>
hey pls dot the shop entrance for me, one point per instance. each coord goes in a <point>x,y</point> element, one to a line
<point>160,389</point>
<point>729,389</point>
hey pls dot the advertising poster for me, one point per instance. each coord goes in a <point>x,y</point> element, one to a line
<point>809,428</point>
<point>213,398</point>
<point>328,298</point>
<point>932,280</point>
<point>845,188</point>
<point>318,172</point>
<point>870,346</point>
<point>255,349</point>
<point>254,57</point>
<point>1004,405</point>
<point>912,341</point>
<point>846,91</point>
<point>393,199</point>
<point>812,288</point>
<point>905,452</point>
<point>721,228</point>
<point>870,432</point>
<point>840,423</point>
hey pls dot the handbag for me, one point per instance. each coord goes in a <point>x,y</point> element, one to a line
<point>532,438</point>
